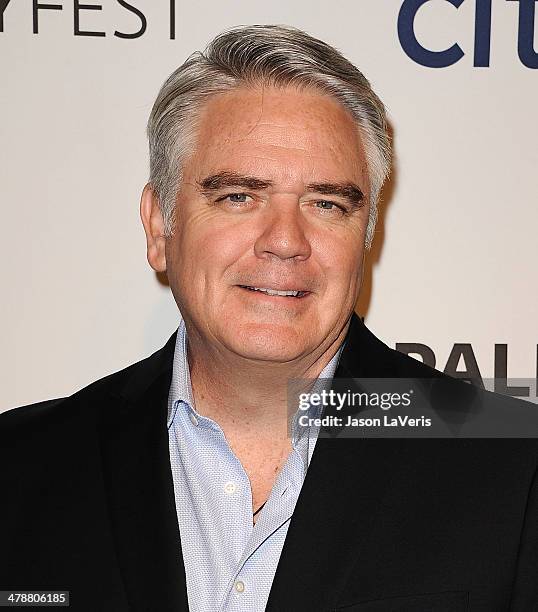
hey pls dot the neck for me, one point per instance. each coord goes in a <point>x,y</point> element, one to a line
<point>247,396</point>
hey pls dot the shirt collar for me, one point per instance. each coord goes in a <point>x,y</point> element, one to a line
<point>180,387</point>
<point>304,438</point>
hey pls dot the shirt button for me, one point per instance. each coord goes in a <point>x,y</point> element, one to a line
<point>239,586</point>
<point>230,488</point>
<point>193,419</point>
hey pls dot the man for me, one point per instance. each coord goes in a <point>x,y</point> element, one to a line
<point>175,484</point>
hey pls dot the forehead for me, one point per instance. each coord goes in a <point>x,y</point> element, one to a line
<point>289,136</point>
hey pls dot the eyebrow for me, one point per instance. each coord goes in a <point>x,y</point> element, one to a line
<point>349,191</point>
<point>215,182</point>
<point>231,179</point>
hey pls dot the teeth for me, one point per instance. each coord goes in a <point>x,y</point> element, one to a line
<point>275,292</point>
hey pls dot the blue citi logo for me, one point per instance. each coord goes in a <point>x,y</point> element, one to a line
<point>482,35</point>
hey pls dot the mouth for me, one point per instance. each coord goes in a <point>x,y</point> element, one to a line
<point>290,293</point>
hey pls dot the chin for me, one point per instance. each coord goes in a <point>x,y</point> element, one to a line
<point>276,343</point>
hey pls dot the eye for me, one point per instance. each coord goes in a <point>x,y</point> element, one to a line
<point>330,207</point>
<point>235,198</point>
<point>325,204</point>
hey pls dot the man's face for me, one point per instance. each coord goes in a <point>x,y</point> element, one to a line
<point>273,199</point>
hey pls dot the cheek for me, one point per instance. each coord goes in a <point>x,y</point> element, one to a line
<point>209,246</point>
<point>340,255</point>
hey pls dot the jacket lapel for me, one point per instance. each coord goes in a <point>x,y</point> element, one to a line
<point>341,499</point>
<point>139,487</point>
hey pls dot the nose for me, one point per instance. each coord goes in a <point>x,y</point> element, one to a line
<point>283,233</point>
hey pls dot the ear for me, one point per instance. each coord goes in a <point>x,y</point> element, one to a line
<point>152,220</point>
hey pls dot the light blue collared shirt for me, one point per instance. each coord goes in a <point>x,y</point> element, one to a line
<point>229,562</point>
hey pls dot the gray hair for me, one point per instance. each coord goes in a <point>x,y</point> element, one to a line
<point>259,55</point>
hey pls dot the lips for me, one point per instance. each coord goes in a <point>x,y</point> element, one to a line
<point>294,293</point>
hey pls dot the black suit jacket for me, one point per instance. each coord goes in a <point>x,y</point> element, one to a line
<point>380,525</point>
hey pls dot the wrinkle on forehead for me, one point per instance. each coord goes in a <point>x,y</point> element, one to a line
<point>272,109</point>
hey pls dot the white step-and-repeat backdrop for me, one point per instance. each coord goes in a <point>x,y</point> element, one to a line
<point>452,275</point>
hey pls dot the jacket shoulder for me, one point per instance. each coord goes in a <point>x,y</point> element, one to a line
<point>366,356</point>
<point>42,415</point>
